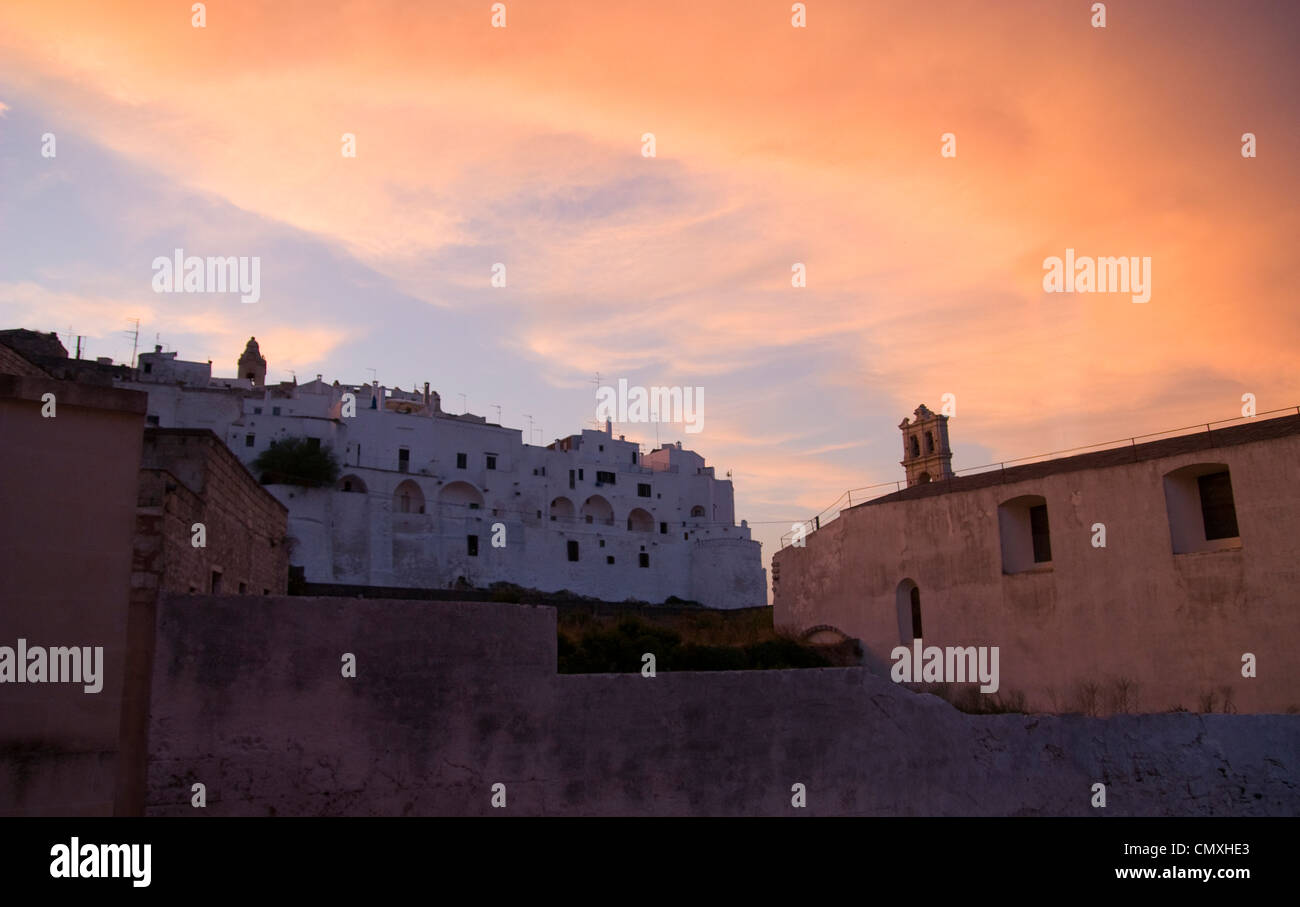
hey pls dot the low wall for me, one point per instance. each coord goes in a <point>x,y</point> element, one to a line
<point>451,698</point>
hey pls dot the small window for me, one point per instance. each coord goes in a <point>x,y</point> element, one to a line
<point>313,443</point>
<point>634,456</point>
<point>570,478</point>
<point>148,367</point>
<point>471,545</point>
<point>216,582</point>
<point>579,475</point>
<point>609,559</point>
<point>915,596</point>
<point>663,528</point>
<point>257,410</point>
<point>642,490</point>
<point>152,420</point>
<point>643,560</point>
<point>1217,511</point>
<point>275,410</point>
<point>602,448</point>
<point>491,461</point>
<point>462,461</point>
<point>573,550</point>
<point>605,478</point>
<point>1042,538</point>
<point>602,543</point>
<point>243,588</point>
<point>403,459</point>
<point>1025,535</point>
<point>250,440</point>
<point>1201,510</point>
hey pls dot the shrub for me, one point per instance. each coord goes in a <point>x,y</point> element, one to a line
<point>297,461</point>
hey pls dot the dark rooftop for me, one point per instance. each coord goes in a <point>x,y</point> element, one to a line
<point>1247,433</point>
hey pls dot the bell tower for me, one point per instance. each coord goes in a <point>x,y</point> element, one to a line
<point>251,365</point>
<point>926,454</point>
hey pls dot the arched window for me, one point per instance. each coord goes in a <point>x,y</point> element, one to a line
<point>923,478</point>
<point>352,483</point>
<point>640,520</point>
<point>461,497</point>
<point>907,602</point>
<point>697,511</point>
<point>408,498</point>
<point>598,510</point>
<point>929,442</point>
<point>916,446</point>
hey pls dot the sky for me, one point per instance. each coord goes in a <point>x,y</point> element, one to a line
<point>774,145</point>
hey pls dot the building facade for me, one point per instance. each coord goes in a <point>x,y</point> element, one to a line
<point>1156,577</point>
<point>429,499</point>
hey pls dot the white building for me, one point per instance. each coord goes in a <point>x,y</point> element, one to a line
<point>423,494</point>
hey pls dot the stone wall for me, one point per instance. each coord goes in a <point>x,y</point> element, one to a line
<point>67,505</point>
<point>1132,626</point>
<point>451,698</point>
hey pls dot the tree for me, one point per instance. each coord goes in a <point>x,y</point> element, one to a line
<point>297,461</point>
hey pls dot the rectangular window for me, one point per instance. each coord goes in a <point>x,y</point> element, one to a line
<point>313,443</point>
<point>609,559</point>
<point>579,475</point>
<point>573,550</point>
<point>643,559</point>
<point>403,459</point>
<point>634,456</point>
<point>1217,508</point>
<point>216,582</point>
<point>642,490</point>
<point>243,588</point>
<point>275,410</point>
<point>250,440</point>
<point>462,461</point>
<point>605,478</point>
<point>1042,539</point>
<point>152,420</point>
<point>570,478</point>
<point>148,367</point>
<point>257,410</point>
<point>663,528</point>
<point>491,461</point>
<point>471,545</point>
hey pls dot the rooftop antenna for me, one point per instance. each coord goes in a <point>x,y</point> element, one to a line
<point>464,404</point>
<point>135,339</point>
<point>530,426</point>
<point>497,407</point>
<point>374,375</point>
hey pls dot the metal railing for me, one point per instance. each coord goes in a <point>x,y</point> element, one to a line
<point>855,496</point>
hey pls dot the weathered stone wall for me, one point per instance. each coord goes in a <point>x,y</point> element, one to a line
<point>67,505</point>
<point>451,698</point>
<point>189,477</point>
<point>1132,626</point>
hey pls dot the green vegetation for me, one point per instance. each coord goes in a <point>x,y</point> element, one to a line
<point>588,645</point>
<point>297,461</point>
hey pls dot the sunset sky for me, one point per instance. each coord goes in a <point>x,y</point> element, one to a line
<point>774,144</point>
